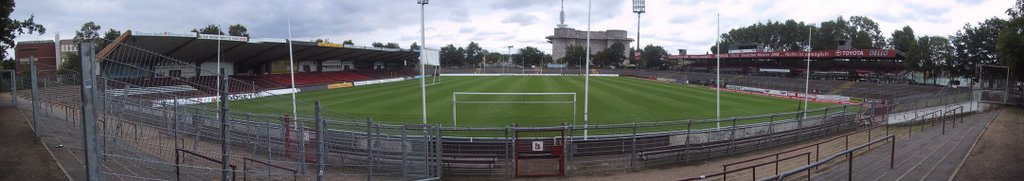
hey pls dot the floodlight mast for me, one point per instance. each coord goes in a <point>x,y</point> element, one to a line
<point>639,7</point>
<point>509,58</point>
<point>423,58</point>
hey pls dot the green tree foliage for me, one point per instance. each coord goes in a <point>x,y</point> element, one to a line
<point>905,41</point>
<point>109,35</point>
<point>474,54</point>
<point>348,42</point>
<point>11,28</point>
<point>377,44</point>
<point>238,30</point>
<point>73,63</point>
<point>611,56</point>
<point>451,55</point>
<point>494,57</point>
<point>529,56</point>
<point>1011,44</point>
<point>976,45</point>
<point>935,54</point>
<point>89,30</point>
<point>654,57</point>
<point>772,36</point>
<point>392,45</point>
<point>209,29</point>
<point>574,55</point>
<point>414,46</point>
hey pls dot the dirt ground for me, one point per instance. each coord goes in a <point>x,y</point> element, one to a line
<point>21,157</point>
<point>997,155</point>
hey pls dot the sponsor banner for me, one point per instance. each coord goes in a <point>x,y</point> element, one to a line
<point>380,81</point>
<point>867,53</point>
<point>340,85</point>
<point>329,44</point>
<point>209,99</point>
<point>666,79</point>
<point>165,34</point>
<point>836,99</point>
<point>223,37</point>
<point>494,75</point>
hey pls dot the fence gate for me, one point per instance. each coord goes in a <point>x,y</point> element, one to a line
<point>539,152</point>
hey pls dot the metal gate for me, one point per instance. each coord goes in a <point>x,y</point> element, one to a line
<point>540,152</point>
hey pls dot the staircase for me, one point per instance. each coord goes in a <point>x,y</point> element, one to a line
<point>926,155</point>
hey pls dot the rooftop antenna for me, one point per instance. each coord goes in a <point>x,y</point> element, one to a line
<point>561,16</point>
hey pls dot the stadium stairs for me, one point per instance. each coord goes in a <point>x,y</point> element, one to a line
<point>925,155</point>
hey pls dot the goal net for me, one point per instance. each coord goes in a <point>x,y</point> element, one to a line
<point>524,109</point>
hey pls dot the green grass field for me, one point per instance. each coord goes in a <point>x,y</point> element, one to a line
<point>613,100</point>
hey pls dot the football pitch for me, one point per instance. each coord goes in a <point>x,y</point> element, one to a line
<point>613,100</point>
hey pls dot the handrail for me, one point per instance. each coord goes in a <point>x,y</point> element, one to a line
<point>848,153</point>
<point>245,168</point>
<point>177,164</point>
<point>753,167</point>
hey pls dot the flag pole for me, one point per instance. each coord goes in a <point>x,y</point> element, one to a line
<point>807,80</point>
<point>291,69</point>
<point>423,59</point>
<point>586,77</point>
<point>718,72</point>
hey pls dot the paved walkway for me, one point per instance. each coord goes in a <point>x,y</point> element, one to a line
<point>900,117</point>
<point>21,157</point>
<point>927,155</point>
<point>997,155</point>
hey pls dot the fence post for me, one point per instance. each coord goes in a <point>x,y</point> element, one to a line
<point>303,138</point>
<point>14,88</point>
<point>225,140</point>
<point>405,172</point>
<point>35,97</point>
<point>771,131</point>
<point>369,150</point>
<point>88,112</point>
<point>632,155</point>
<point>686,142</point>
<point>321,128</point>
<point>849,166</point>
<point>732,137</point>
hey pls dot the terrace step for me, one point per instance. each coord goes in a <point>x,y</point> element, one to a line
<point>926,155</point>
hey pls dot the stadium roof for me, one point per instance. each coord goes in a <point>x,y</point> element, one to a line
<point>828,54</point>
<point>195,47</point>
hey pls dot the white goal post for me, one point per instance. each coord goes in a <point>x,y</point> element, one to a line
<point>456,101</point>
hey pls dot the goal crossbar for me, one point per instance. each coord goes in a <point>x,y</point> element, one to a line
<point>456,101</point>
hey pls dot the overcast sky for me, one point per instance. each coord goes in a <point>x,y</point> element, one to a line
<point>495,24</point>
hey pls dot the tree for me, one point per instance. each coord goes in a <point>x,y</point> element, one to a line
<point>529,56</point>
<point>8,64</point>
<point>348,42</point>
<point>975,45</point>
<point>414,46</point>
<point>392,45</point>
<point>611,56</point>
<point>377,44</point>
<point>864,33</point>
<point>494,57</point>
<point>10,26</point>
<point>574,55</point>
<point>238,30</point>
<point>110,35</point>
<point>653,57</point>
<point>905,41</point>
<point>451,56</point>
<point>474,54</point>
<point>1017,10</point>
<point>935,55</point>
<point>209,29</point>
<point>88,31</point>
<point>1011,43</point>
<point>73,63</point>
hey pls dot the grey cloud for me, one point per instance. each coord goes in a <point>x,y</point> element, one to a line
<point>522,19</point>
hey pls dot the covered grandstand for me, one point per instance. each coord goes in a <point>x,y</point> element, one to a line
<point>875,65</point>
<point>261,61</point>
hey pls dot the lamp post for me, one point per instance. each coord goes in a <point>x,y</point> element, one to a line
<point>423,58</point>
<point>638,8</point>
